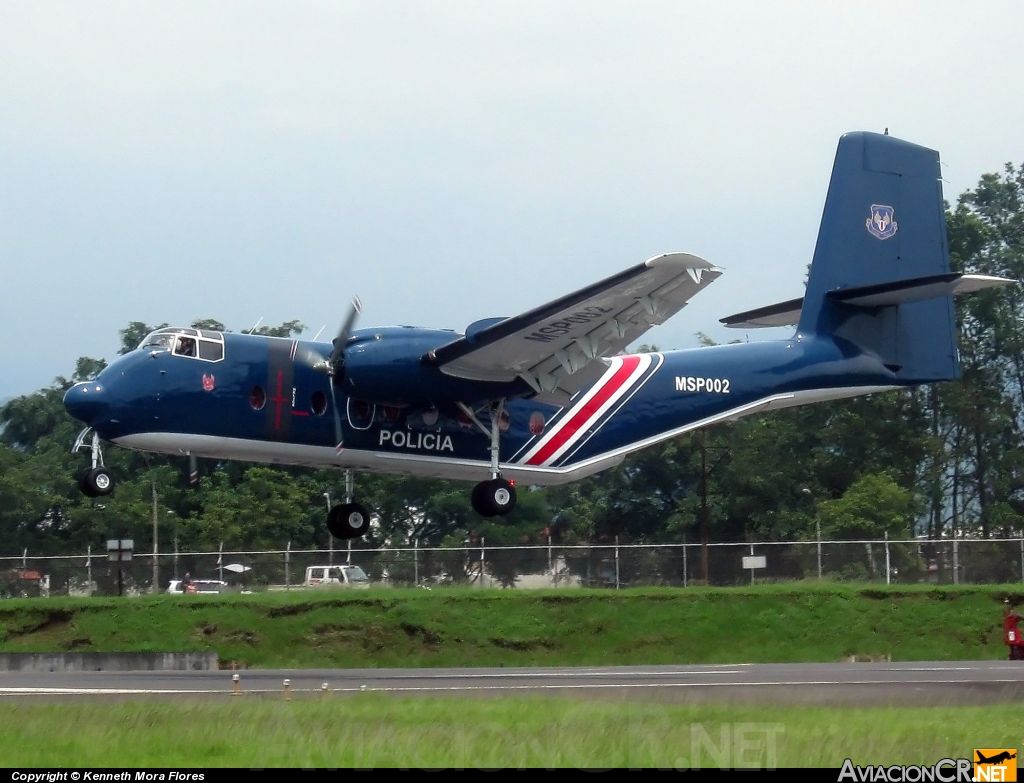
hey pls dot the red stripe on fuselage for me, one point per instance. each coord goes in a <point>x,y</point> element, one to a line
<point>629,364</point>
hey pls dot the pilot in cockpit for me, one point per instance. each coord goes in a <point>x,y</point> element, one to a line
<point>186,347</point>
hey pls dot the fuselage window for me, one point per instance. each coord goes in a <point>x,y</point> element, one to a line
<point>257,398</point>
<point>211,351</point>
<point>319,403</point>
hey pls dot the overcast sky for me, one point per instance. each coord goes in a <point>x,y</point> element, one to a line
<point>449,161</point>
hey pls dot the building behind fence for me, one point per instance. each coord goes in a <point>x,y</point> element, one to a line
<point>960,561</point>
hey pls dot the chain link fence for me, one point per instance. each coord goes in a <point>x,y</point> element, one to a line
<point>613,566</point>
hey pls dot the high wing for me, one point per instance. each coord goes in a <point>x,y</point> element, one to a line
<point>556,348</point>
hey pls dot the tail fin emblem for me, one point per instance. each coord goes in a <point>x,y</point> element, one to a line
<point>881,223</point>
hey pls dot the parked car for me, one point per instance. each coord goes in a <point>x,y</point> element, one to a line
<point>330,576</point>
<point>203,586</point>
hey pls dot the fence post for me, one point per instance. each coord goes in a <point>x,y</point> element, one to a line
<point>616,562</point>
<point>88,568</point>
<point>1022,559</point>
<point>348,557</point>
<point>817,527</point>
<point>481,561</point>
<point>684,561</point>
<point>220,562</point>
<point>288,566</point>
<point>888,569</point>
<point>415,562</point>
<point>751,570</point>
<point>956,562</point>
<point>550,568</point>
<point>175,555</point>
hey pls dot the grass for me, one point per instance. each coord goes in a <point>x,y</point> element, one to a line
<point>372,730</point>
<point>462,627</point>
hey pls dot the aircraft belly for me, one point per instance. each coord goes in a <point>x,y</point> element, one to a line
<point>275,452</point>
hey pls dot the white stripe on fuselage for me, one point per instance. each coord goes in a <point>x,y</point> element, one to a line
<point>449,467</point>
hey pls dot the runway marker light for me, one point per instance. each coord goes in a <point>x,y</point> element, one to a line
<point>235,681</point>
<point>287,690</point>
<point>362,687</point>
<point>323,689</point>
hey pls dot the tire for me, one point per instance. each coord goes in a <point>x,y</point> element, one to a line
<point>497,497</point>
<point>98,482</point>
<point>479,500</point>
<point>83,484</point>
<point>348,520</point>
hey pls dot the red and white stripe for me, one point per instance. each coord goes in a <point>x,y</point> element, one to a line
<point>622,374</point>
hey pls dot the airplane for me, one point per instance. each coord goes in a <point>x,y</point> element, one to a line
<point>999,757</point>
<point>550,396</point>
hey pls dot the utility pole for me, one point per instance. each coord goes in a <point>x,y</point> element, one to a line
<point>156,547</point>
<point>703,508</point>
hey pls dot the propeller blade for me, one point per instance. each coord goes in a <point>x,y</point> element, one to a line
<point>346,331</point>
<point>337,418</point>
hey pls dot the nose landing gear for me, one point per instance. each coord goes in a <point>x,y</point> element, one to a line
<point>96,481</point>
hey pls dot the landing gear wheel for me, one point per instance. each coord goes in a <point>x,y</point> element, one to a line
<point>479,501</point>
<point>348,520</point>
<point>496,497</point>
<point>96,482</point>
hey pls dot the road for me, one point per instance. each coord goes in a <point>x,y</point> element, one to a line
<point>961,682</point>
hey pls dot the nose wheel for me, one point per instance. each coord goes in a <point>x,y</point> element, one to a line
<point>97,481</point>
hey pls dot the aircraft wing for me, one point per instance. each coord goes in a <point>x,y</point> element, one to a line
<point>556,348</point>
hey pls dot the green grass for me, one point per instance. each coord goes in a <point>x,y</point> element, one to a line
<point>461,627</point>
<point>372,730</point>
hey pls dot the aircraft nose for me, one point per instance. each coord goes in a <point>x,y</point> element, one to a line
<point>86,402</point>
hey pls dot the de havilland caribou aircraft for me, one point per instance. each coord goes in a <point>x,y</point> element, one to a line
<point>549,396</point>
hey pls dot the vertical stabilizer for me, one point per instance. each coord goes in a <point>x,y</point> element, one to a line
<point>884,222</point>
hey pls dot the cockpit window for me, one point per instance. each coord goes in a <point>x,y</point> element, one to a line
<point>211,351</point>
<point>185,346</point>
<point>208,347</point>
<point>158,340</point>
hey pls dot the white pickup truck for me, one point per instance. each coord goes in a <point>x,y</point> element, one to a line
<point>330,576</point>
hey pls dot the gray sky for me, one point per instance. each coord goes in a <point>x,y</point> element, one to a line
<point>449,161</point>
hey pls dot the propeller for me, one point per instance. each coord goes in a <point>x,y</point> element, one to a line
<point>336,361</point>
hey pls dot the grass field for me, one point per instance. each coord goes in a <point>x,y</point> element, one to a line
<point>462,627</point>
<point>371,730</point>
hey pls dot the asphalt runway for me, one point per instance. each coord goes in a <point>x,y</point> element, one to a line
<point>961,682</point>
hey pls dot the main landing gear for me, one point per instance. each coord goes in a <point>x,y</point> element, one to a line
<point>96,481</point>
<point>496,497</point>
<point>349,519</point>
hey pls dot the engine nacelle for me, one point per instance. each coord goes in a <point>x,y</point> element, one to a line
<point>384,367</point>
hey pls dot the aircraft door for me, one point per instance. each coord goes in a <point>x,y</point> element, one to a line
<point>280,388</point>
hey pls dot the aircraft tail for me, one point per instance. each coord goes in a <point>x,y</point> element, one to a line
<point>880,277</point>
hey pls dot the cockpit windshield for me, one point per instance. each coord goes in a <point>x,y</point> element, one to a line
<point>192,343</point>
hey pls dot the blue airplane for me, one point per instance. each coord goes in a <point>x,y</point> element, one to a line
<point>549,397</point>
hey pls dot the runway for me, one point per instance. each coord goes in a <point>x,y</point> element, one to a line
<point>960,682</point>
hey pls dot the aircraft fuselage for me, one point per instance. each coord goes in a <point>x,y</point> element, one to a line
<point>264,401</point>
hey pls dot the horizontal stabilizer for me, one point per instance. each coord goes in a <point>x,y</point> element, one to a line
<point>917,289</point>
<point>781,314</point>
<point>886,294</point>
